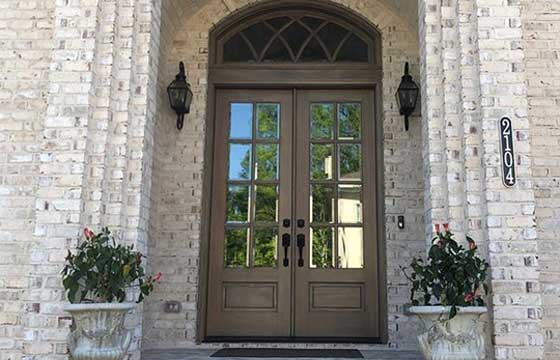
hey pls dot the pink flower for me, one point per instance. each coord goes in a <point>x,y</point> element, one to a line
<point>437,228</point>
<point>469,297</point>
<point>157,277</point>
<point>88,233</point>
<point>472,245</point>
<point>446,227</point>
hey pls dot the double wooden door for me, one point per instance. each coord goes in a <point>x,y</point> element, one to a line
<point>293,240</point>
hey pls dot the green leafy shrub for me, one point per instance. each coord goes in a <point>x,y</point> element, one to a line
<point>101,270</point>
<point>450,276</point>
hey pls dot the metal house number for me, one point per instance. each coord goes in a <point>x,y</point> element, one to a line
<point>508,158</point>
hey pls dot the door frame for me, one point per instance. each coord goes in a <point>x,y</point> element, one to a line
<point>207,191</point>
<point>296,77</point>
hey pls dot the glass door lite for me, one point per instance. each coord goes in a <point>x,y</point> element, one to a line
<point>293,238</point>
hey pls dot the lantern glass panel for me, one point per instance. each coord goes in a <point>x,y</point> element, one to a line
<point>407,98</point>
<point>177,97</point>
<point>188,100</point>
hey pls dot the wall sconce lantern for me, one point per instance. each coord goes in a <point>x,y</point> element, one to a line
<point>180,95</point>
<point>407,95</point>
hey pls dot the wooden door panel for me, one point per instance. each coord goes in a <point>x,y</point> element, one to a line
<point>256,296</point>
<point>249,287</point>
<point>336,288</point>
<point>330,296</point>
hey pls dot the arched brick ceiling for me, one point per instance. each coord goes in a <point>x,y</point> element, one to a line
<point>407,9</point>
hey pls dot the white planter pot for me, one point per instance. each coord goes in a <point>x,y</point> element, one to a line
<point>461,338</point>
<point>99,332</point>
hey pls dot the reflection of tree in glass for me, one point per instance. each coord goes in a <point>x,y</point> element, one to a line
<point>322,126</point>
<point>267,161</point>
<point>322,203</point>
<point>322,248</point>
<point>236,248</point>
<point>349,121</point>
<point>265,207</point>
<point>246,166</point>
<point>237,203</point>
<point>350,161</point>
<point>265,197</point>
<point>265,247</point>
<point>321,155</point>
<point>322,121</point>
<point>267,121</point>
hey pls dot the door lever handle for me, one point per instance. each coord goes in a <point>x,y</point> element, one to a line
<point>300,245</point>
<point>286,244</point>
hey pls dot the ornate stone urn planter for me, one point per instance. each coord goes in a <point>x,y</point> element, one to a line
<point>99,332</point>
<point>96,279</point>
<point>453,276</point>
<point>461,338</point>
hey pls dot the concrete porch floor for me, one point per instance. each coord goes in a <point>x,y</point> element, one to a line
<point>204,354</point>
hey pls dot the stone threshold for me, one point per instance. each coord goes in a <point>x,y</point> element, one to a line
<point>204,354</point>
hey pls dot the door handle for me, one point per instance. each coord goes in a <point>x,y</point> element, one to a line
<point>286,244</point>
<point>300,245</point>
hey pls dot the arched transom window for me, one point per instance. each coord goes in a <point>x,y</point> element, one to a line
<point>293,36</point>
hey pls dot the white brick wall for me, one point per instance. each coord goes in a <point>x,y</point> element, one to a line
<point>541,22</point>
<point>25,45</point>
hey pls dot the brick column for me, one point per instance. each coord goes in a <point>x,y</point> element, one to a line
<point>473,74</point>
<point>95,156</point>
<point>510,218</point>
<point>61,175</point>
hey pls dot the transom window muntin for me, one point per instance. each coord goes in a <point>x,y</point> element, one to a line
<point>296,37</point>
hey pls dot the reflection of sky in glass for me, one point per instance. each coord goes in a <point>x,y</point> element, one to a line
<point>239,161</point>
<point>241,125</point>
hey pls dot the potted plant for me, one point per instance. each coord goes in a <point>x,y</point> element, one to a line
<point>96,279</point>
<point>450,285</point>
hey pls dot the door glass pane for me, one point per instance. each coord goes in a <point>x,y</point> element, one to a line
<point>321,161</point>
<point>322,201</point>
<point>350,161</point>
<point>268,118</point>
<point>267,162</point>
<point>349,121</point>
<point>266,203</point>
<point>350,248</point>
<point>322,121</point>
<point>237,203</point>
<point>239,161</point>
<point>350,204</point>
<point>241,121</point>
<point>322,248</point>
<point>235,247</point>
<point>264,253</point>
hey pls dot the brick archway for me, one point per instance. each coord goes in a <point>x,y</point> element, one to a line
<point>189,42</point>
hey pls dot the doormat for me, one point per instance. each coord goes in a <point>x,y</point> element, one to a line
<point>287,353</point>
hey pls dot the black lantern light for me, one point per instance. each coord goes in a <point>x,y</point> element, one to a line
<point>407,95</point>
<point>180,95</point>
